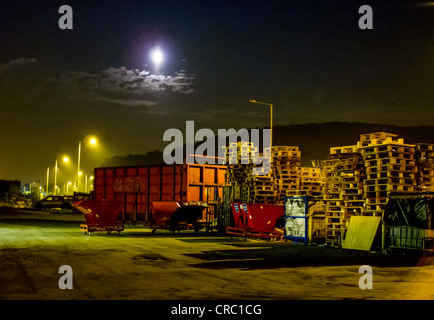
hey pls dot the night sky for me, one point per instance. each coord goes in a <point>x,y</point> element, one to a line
<point>309,58</point>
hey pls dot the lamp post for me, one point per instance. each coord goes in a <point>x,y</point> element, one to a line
<point>65,160</point>
<point>91,182</point>
<point>271,119</point>
<point>92,142</point>
<point>78,166</point>
<point>48,179</point>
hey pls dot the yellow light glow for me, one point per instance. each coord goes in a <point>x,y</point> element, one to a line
<point>65,159</point>
<point>92,141</point>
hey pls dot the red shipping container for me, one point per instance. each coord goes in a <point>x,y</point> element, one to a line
<point>137,186</point>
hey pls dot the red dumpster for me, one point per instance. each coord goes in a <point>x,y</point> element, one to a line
<point>174,215</point>
<point>256,220</point>
<point>101,216</point>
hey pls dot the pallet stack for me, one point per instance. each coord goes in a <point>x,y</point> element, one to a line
<point>354,180</point>
<point>390,167</point>
<point>342,192</point>
<point>285,170</point>
<point>261,187</point>
<point>311,181</point>
<point>239,157</point>
<point>424,154</point>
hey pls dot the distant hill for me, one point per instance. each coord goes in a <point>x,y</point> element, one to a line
<point>314,140</point>
<point>152,157</point>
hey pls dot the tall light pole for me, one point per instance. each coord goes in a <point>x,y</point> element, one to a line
<point>91,141</point>
<point>271,119</point>
<point>48,179</point>
<point>55,178</point>
<point>65,160</point>
<point>78,166</point>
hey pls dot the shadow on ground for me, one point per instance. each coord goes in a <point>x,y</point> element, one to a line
<point>288,256</point>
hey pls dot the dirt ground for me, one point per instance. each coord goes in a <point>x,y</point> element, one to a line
<point>140,265</point>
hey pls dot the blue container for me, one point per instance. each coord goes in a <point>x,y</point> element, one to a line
<point>296,209</point>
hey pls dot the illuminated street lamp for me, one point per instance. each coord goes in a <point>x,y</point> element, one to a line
<point>91,179</point>
<point>91,141</point>
<point>48,178</point>
<point>271,119</point>
<point>65,160</point>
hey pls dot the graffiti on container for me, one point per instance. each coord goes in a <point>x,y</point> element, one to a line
<point>126,184</point>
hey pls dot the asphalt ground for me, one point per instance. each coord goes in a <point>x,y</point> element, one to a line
<point>139,265</point>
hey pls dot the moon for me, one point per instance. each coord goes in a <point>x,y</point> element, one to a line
<point>157,56</point>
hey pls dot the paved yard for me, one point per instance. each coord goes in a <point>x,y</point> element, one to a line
<point>141,265</point>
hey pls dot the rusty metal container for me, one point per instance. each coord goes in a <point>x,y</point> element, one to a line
<point>138,186</point>
<point>175,215</point>
<point>100,216</point>
<point>256,220</point>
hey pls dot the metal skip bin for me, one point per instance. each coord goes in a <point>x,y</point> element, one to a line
<point>137,187</point>
<point>256,220</point>
<point>101,216</point>
<point>174,215</point>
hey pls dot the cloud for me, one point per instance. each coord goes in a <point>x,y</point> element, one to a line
<point>126,87</point>
<point>128,82</point>
<point>129,102</point>
<point>141,82</point>
<point>14,63</point>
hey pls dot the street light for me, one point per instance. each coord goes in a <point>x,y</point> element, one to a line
<point>271,119</point>
<point>65,160</point>
<point>91,142</point>
<point>48,179</point>
<point>86,185</point>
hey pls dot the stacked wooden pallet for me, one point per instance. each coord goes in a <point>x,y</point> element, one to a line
<point>390,167</point>
<point>311,180</point>
<point>342,193</point>
<point>238,158</point>
<point>262,189</point>
<point>424,154</point>
<point>310,183</point>
<point>241,153</point>
<point>260,186</point>
<point>285,170</point>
